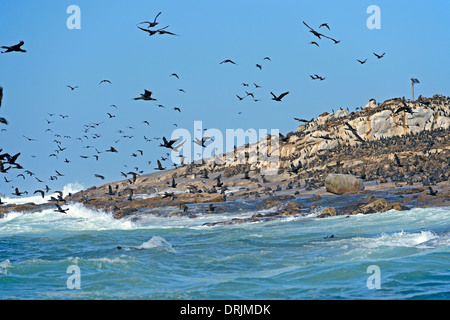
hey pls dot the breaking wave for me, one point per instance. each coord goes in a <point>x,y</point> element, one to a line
<point>38,199</point>
<point>157,242</point>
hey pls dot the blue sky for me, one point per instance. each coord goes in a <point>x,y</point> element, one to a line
<point>414,35</point>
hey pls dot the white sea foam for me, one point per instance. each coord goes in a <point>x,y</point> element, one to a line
<point>100,262</point>
<point>72,188</point>
<point>358,247</point>
<point>77,218</point>
<point>155,221</point>
<point>82,218</point>
<point>37,199</point>
<point>402,239</point>
<point>440,240</point>
<point>4,265</point>
<point>154,242</point>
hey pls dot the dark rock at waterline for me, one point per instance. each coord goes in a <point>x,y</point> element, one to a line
<point>273,201</point>
<point>327,212</point>
<point>425,199</point>
<point>26,207</point>
<point>372,204</point>
<point>239,220</point>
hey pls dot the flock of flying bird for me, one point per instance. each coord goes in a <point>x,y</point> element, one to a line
<point>320,36</point>
<point>317,34</point>
<point>154,23</point>
<point>251,94</point>
<point>8,162</point>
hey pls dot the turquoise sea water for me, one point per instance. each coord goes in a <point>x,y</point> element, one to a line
<point>46,255</point>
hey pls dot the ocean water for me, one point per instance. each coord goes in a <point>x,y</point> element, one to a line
<point>391,255</point>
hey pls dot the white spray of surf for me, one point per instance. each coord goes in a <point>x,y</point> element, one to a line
<point>38,199</point>
<point>154,242</point>
<point>399,239</point>
<point>4,265</point>
<point>77,218</point>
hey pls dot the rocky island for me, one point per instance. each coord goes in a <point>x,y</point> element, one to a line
<point>390,155</point>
